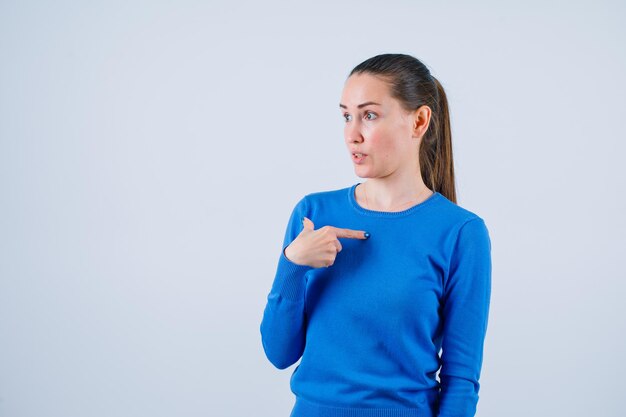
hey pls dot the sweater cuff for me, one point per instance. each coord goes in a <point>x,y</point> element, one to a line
<point>290,281</point>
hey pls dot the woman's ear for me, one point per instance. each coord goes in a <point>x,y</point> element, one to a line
<point>421,121</point>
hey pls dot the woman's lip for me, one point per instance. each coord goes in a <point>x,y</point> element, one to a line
<point>358,160</point>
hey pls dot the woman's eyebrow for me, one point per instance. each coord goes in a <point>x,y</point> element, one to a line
<point>360,105</point>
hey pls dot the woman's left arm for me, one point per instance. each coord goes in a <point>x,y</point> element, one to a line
<point>467,293</point>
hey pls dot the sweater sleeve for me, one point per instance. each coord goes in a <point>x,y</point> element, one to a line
<point>283,326</point>
<point>467,293</point>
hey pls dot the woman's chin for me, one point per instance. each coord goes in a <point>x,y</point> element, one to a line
<point>361,173</point>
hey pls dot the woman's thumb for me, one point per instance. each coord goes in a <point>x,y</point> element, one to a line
<point>308,224</point>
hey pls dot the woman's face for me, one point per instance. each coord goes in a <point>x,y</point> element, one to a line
<point>377,126</point>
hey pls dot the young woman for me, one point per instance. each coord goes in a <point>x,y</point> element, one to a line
<point>375,280</point>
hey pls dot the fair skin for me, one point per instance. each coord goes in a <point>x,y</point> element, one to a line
<point>390,138</point>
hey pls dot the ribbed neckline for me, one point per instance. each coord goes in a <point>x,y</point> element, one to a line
<point>388,214</point>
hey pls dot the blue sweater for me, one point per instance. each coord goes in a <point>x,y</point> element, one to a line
<point>370,327</point>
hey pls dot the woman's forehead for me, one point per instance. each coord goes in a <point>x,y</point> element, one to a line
<point>364,88</point>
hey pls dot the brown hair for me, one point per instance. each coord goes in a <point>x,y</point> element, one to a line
<point>413,86</point>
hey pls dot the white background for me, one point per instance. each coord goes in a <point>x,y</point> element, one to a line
<point>151,153</point>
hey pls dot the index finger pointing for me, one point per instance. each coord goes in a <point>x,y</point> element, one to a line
<point>350,233</point>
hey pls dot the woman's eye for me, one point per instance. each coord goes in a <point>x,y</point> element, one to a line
<point>346,116</point>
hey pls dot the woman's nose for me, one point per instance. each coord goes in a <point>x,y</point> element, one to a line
<point>353,132</point>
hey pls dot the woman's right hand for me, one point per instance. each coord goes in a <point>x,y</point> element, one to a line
<point>318,248</point>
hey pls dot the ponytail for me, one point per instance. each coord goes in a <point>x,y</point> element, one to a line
<point>435,154</point>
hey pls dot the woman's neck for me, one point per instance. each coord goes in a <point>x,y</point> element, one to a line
<point>384,195</point>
